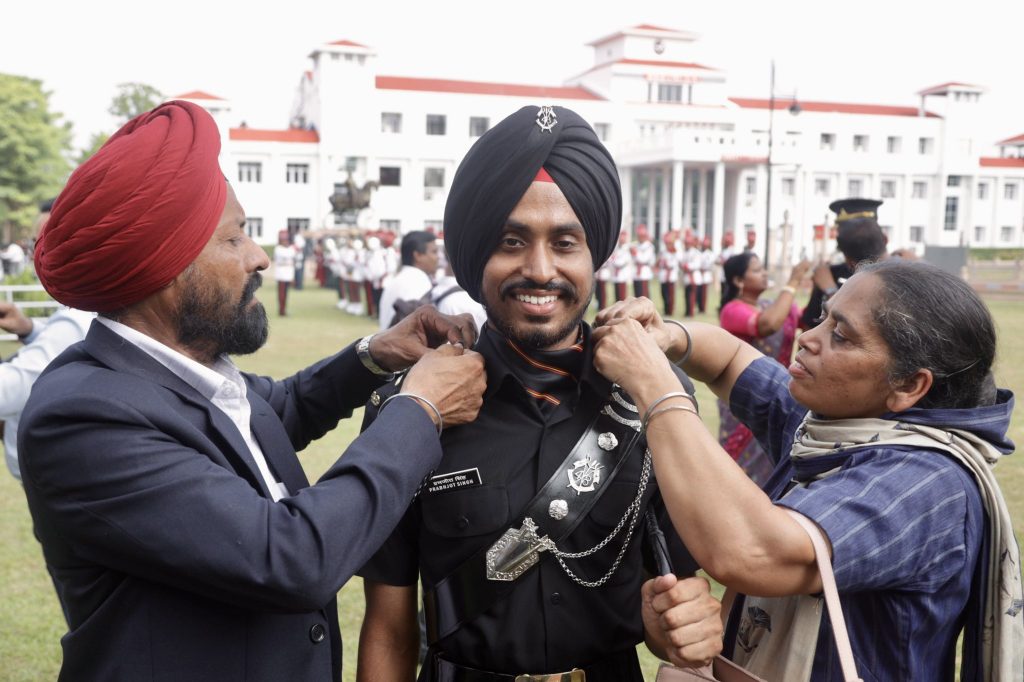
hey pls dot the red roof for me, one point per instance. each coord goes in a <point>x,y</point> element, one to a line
<point>935,89</point>
<point>1018,139</point>
<point>288,135</point>
<point>997,162</point>
<point>831,107</point>
<point>659,62</point>
<point>648,27</point>
<point>197,94</point>
<point>477,88</point>
<point>346,43</point>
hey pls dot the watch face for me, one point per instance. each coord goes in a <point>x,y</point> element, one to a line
<point>659,46</point>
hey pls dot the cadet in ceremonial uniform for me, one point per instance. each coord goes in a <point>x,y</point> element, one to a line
<point>530,537</point>
<point>860,238</point>
<point>668,271</point>
<point>622,267</point>
<point>644,258</point>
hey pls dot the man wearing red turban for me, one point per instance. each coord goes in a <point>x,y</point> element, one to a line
<point>182,535</point>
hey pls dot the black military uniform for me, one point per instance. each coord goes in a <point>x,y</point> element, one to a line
<point>535,409</point>
<point>851,214</point>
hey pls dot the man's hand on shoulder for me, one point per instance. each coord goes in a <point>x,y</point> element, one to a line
<point>13,320</point>
<point>682,621</point>
<point>453,379</point>
<point>401,346</point>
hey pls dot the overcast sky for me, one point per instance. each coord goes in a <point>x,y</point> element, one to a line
<point>253,53</point>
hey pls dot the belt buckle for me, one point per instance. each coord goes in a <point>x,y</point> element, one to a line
<point>574,675</point>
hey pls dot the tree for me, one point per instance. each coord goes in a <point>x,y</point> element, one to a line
<point>33,145</point>
<point>132,99</point>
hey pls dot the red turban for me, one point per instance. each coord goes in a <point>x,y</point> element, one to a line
<point>134,215</point>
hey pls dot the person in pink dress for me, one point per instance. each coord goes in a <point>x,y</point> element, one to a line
<point>770,326</point>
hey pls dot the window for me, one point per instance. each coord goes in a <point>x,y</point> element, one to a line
<point>983,190</point>
<point>860,143</point>
<point>916,234</point>
<point>893,144</point>
<point>433,182</point>
<point>390,176</point>
<point>390,122</point>
<point>855,187</point>
<point>828,142</point>
<point>436,124</point>
<point>297,173</point>
<point>478,125</point>
<point>788,186</point>
<point>888,189</point>
<point>670,92</point>
<point>751,186</point>
<point>602,130</point>
<point>1006,233</point>
<point>821,187</point>
<point>919,190</point>
<point>979,233</point>
<point>925,145</point>
<point>296,225</point>
<point>391,225</point>
<point>949,223</point>
<point>249,171</point>
<point>433,177</point>
<point>953,181</point>
<point>1010,191</point>
<point>254,227</point>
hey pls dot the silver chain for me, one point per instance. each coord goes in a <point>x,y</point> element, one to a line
<point>632,514</point>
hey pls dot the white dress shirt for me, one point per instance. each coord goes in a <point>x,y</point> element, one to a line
<point>409,283</point>
<point>222,385</point>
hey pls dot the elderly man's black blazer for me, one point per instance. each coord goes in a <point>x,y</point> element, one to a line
<point>170,559</point>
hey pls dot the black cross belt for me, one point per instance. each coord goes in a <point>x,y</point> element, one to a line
<point>555,511</point>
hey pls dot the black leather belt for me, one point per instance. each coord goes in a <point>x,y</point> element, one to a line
<point>446,671</point>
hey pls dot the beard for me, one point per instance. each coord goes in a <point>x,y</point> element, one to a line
<point>539,337</point>
<point>208,320</point>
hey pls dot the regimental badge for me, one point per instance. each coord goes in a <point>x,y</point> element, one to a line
<point>585,475</point>
<point>546,119</point>
<point>558,509</point>
<point>607,441</point>
<point>375,399</point>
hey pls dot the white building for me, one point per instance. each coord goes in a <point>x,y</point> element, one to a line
<point>690,155</point>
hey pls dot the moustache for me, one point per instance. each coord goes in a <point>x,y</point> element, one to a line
<point>554,285</point>
<point>251,287</point>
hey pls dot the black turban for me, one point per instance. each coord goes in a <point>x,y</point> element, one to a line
<point>498,170</point>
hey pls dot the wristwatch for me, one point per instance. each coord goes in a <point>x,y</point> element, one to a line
<point>363,351</point>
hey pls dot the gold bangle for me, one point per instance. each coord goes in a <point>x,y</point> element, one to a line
<point>669,408</point>
<point>790,289</point>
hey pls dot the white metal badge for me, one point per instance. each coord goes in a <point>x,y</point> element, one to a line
<point>585,475</point>
<point>546,119</point>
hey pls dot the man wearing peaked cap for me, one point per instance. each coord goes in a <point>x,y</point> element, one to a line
<point>555,452</point>
<point>860,239</point>
<point>183,538</point>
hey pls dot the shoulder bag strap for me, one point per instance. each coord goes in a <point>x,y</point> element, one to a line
<point>835,609</point>
<point>467,592</point>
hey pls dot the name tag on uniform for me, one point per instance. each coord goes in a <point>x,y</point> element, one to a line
<point>456,480</point>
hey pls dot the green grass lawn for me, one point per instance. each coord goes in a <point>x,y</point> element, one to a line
<point>31,623</point>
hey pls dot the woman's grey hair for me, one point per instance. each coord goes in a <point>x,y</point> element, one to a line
<point>933,320</point>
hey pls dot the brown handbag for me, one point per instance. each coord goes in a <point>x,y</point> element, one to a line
<point>724,670</point>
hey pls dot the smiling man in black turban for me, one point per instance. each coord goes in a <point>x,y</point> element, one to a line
<point>534,207</point>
